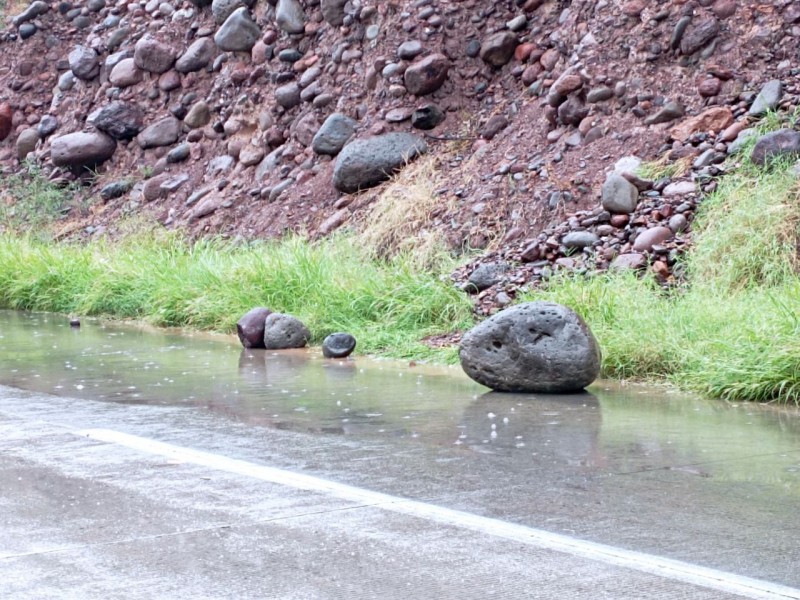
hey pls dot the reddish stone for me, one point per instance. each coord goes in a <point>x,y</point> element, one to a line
<point>524,51</point>
<point>661,269</point>
<point>649,238</point>
<point>619,220</point>
<point>6,120</point>
<point>709,87</point>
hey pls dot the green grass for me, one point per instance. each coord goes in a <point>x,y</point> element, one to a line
<point>332,286</point>
<point>734,331</point>
<point>29,201</point>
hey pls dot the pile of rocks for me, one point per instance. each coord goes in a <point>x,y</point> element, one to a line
<point>639,223</point>
<point>256,118</point>
<point>262,328</point>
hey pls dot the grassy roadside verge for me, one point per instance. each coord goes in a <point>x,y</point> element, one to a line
<point>732,332</point>
<point>332,286</point>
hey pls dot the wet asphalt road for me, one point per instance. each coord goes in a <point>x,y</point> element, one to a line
<point>83,517</point>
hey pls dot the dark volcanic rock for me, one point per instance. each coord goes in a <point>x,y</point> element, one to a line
<point>82,149</point>
<point>784,142</point>
<point>282,332</point>
<point>427,117</point>
<point>338,345</point>
<point>120,120</point>
<point>486,275</point>
<point>250,328</point>
<point>366,163</point>
<point>537,347</point>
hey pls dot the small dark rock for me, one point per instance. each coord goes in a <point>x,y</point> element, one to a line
<point>338,345</point>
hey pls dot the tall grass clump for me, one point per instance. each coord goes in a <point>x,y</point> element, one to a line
<point>29,201</point>
<point>734,331</point>
<point>386,303</point>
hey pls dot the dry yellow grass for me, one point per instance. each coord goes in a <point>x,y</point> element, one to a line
<point>400,219</point>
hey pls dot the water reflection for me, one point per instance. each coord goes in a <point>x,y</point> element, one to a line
<point>619,429</point>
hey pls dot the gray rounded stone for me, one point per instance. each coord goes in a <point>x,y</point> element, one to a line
<point>580,239</point>
<point>497,49</point>
<point>338,345</point>
<point>366,163</point>
<point>153,56</point>
<point>83,62</point>
<point>161,133</point>
<point>334,134</point>
<point>239,33</point>
<point>282,332</point>
<point>486,275</point>
<point>250,328</point>
<point>537,347</point>
<point>427,75</point>
<point>783,142</point>
<point>196,57</point>
<point>26,142</point>
<point>82,149</point>
<point>619,195</point>
<point>290,16</point>
<point>767,99</point>
<point>222,9</point>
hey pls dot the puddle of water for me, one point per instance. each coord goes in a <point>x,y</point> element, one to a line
<point>612,429</point>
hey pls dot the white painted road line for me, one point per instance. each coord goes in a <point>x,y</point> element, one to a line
<point>646,563</point>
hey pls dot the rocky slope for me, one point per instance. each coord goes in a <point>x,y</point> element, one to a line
<point>231,116</point>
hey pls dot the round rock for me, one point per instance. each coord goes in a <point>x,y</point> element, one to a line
<point>619,195</point>
<point>250,328</point>
<point>366,163</point>
<point>82,149</point>
<point>338,345</point>
<point>537,347</point>
<point>427,75</point>
<point>282,332</point>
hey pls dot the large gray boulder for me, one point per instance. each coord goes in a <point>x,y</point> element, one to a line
<point>537,347</point>
<point>82,149</point>
<point>250,328</point>
<point>282,332</point>
<point>366,163</point>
